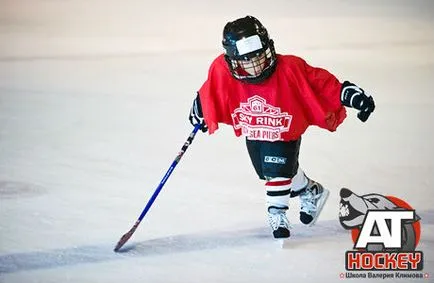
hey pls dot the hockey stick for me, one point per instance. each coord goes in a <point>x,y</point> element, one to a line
<point>128,235</point>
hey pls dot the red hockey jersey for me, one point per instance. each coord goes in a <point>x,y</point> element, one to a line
<point>280,108</point>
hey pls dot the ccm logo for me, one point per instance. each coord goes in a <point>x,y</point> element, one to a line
<point>275,159</point>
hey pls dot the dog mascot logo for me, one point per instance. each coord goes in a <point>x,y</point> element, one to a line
<point>385,231</point>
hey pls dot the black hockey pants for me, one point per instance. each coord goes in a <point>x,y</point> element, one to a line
<point>274,159</point>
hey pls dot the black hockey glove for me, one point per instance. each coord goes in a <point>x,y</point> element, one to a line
<point>355,97</point>
<point>196,115</point>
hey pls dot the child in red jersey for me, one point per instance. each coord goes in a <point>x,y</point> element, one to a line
<point>271,99</point>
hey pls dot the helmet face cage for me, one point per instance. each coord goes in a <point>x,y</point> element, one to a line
<point>253,68</point>
<point>249,51</point>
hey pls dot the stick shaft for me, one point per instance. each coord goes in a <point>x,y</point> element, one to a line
<point>184,148</point>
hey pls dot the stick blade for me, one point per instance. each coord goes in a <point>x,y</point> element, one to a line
<point>122,241</point>
<point>126,237</point>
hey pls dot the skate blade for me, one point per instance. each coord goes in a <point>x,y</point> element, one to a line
<point>320,205</point>
<point>282,243</point>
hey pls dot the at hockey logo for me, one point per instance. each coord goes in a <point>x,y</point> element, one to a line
<point>385,231</point>
<point>377,220</point>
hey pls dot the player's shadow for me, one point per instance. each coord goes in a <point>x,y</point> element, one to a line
<point>226,239</point>
<point>195,242</point>
<point>177,244</point>
<point>301,238</point>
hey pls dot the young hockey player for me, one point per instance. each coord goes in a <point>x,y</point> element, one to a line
<point>271,99</point>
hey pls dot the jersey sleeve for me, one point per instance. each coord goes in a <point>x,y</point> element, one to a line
<point>323,91</point>
<point>213,97</point>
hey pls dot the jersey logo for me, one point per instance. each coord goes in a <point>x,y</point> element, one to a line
<point>261,121</point>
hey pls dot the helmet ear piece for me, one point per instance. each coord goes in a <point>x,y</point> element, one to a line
<point>245,39</point>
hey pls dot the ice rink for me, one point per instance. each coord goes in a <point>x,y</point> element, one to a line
<point>94,100</point>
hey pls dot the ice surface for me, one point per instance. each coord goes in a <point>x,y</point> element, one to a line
<point>94,97</point>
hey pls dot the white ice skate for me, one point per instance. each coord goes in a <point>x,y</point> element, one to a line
<point>279,223</point>
<point>312,200</point>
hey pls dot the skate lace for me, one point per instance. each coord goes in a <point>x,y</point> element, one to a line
<point>277,220</point>
<point>308,201</point>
